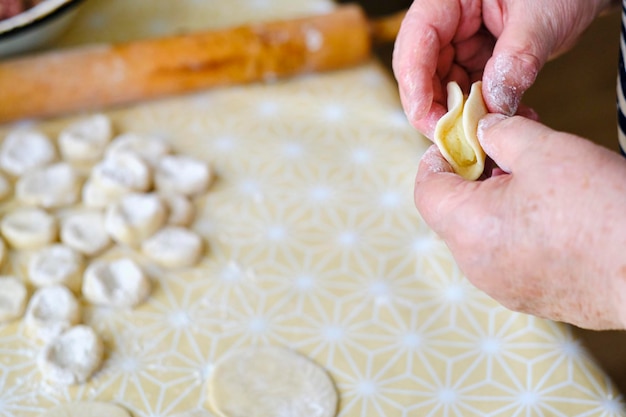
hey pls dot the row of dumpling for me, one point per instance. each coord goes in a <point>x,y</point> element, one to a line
<point>128,190</point>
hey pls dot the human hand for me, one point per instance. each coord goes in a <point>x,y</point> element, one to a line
<point>548,238</point>
<point>503,42</point>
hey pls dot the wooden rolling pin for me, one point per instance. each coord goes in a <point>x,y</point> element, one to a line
<point>92,77</point>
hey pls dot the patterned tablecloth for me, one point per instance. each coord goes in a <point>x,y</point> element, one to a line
<point>314,244</point>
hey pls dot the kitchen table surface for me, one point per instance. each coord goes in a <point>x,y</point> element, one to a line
<point>313,244</point>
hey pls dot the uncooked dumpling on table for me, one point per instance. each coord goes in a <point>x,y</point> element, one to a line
<point>455,133</point>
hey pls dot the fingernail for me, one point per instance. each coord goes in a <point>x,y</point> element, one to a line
<point>486,123</point>
<point>409,102</point>
<point>528,113</point>
<point>410,89</point>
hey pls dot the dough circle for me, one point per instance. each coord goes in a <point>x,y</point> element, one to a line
<point>271,381</point>
<point>87,409</point>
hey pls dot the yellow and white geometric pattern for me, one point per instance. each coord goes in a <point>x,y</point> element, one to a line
<point>313,244</point>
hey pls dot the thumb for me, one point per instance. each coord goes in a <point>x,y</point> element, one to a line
<point>510,141</point>
<point>506,79</point>
<point>522,48</point>
<point>438,191</point>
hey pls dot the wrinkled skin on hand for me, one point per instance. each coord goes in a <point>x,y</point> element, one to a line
<point>546,237</point>
<point>503,42</point>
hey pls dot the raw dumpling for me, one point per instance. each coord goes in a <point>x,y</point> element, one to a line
<point>455,133</point>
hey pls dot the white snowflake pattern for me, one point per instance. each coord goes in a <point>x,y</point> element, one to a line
<point>313,243</point>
